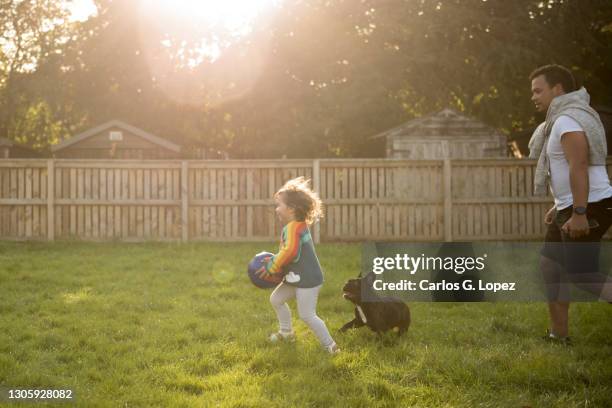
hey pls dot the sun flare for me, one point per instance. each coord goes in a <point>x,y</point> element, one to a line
<point>234,16</point>
<point>183,38</point>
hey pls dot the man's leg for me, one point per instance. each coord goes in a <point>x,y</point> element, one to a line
<point>582,254</point>
<point>583,268</point>
<point>559,318</point>
<point>558,296</point>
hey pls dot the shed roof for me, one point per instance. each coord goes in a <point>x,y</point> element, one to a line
<point>119,124</point>
<point>444,123</point>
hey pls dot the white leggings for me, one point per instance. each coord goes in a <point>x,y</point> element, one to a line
<point>307,310</point>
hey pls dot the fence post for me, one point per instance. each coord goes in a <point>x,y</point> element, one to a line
<point>184,202</point>
<point>50,200</point>
<point>448,203</point>
<point>316,185</point>
<point>249,209</point>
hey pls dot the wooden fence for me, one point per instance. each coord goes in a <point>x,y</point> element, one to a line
<point>369,199</point>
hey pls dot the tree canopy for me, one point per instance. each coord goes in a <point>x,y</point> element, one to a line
<point>311,78</point>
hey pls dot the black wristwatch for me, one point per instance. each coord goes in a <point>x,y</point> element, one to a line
<point>580,210</point>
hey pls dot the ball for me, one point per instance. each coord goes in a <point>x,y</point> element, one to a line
<point>267,282</point>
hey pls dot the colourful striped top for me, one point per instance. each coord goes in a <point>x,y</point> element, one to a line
<point>290,246</point>
<point>297,254</point>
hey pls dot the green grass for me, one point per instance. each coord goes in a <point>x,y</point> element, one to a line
<point>144,325</point>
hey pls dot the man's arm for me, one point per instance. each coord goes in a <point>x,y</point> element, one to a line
<point>576,150</point>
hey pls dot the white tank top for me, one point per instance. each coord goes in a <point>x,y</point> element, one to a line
<point>599,182</point>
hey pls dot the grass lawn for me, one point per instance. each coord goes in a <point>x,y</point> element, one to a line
<point>169,325</point>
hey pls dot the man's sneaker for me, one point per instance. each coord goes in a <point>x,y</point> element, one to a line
<point>282,336</point>
<point>553,338</point>
<point>333,349</point>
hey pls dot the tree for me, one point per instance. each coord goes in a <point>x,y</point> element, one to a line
<point>33,33</point>
<point>315,78</point>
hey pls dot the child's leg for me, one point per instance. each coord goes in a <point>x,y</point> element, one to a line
<point>279,297</point>
<point>307,309</point>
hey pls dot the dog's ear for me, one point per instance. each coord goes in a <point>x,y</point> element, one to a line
<point>369,275</point>
<point>366,284</point>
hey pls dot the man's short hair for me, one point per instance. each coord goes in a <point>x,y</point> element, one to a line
<point>556,74</point>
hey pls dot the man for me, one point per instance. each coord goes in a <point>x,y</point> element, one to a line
<point>571,150</point>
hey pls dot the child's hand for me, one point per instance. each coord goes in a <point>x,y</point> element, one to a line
<point>261,272</point>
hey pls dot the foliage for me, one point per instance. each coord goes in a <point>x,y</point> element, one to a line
<point>314,78</point>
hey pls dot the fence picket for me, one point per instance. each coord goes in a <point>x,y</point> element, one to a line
<point>366,199</point>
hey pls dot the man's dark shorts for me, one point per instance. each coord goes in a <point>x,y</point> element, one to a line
<point>578,255</point>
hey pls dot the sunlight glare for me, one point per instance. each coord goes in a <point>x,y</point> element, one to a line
<point>81,10</point>
<point>234,16</point>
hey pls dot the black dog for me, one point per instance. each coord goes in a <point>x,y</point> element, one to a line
<point>380,314</point>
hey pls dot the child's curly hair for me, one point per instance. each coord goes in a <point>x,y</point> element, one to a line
<point>306,203</point>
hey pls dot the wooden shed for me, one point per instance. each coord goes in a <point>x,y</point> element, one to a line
<point>13,150</point>
<point>444,134</point>
<point>116,140</point>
